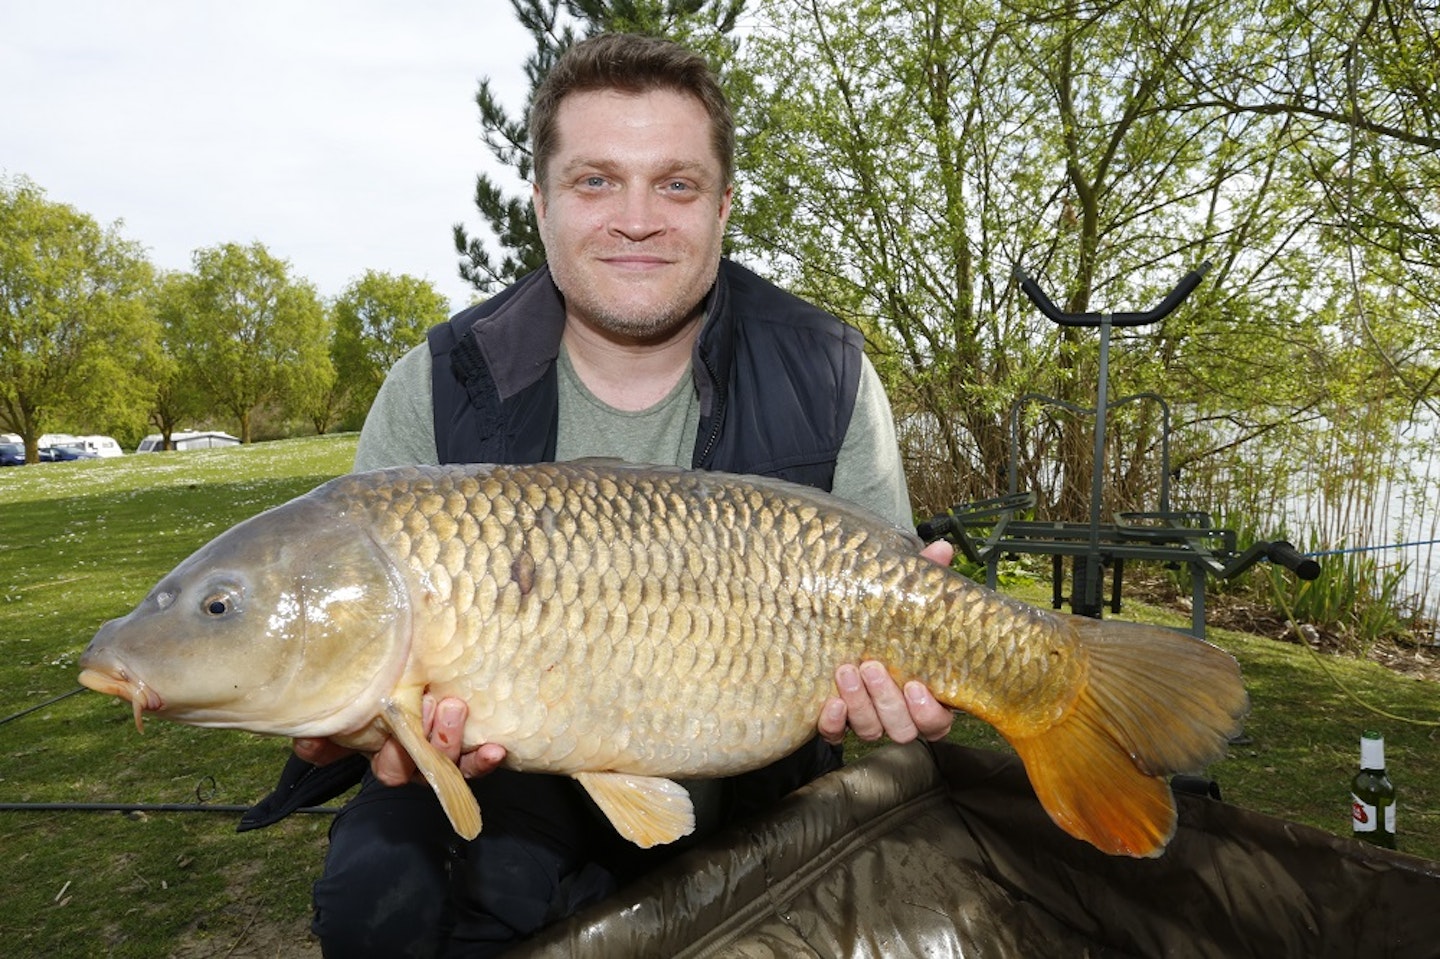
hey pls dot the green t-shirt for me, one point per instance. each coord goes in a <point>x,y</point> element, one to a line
<point>663,434</point>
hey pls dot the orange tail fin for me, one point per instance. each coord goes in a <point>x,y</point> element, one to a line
<point>1155,702</point>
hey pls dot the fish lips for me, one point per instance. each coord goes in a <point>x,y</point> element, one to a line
<point>101,671</point>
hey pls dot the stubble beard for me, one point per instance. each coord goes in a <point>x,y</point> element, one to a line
<point>637,322</point>
<point>657,324</point>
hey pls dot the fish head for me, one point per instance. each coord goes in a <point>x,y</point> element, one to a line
<point>293,623</point>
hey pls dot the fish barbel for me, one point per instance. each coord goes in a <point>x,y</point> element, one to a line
<point>629,624</point>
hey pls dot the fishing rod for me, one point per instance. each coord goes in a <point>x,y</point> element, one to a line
<point>49,702</point>
<point>1371,549</point>
<point>146,807</point>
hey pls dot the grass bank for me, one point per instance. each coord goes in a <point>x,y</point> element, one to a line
<point>82,542</point>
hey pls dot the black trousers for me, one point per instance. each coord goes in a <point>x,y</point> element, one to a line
<point>398,881</point>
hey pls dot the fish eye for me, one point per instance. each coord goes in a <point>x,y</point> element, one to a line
<point>218,604</point>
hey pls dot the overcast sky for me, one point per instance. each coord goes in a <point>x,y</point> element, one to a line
<point>342,135</point>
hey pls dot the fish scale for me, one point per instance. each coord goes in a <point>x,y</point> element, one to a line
<point>628,625</point>
<point>687,535</point>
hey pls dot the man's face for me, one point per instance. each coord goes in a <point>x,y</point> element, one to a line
<point>633,211</point>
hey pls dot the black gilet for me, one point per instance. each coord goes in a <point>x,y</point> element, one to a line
<point>777,379</point>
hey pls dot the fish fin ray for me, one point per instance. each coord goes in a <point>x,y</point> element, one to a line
<point>1154,702</point>
<point>1092,789</point>
<point>647,810</point>
<point>443,775</point>
<point>1172,701</point>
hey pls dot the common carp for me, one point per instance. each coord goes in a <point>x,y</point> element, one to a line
<point>627,625</point>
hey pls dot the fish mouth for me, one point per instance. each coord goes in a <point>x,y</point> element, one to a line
<point>141,697</point>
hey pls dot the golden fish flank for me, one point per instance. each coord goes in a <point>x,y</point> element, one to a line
<point>625,625</point>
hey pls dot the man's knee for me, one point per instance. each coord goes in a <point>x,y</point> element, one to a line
<point>385,886</point>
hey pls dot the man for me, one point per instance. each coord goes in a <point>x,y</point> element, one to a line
<point>635,341</point>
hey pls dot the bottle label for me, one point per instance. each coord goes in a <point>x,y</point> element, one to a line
<point>1363,814</point>
<point>1366,818</point>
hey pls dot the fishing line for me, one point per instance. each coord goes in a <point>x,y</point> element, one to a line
<point>48,702</point>
<point>1290,619</point>
<point>1371,549</point>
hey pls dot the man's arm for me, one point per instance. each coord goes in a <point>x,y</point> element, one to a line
<point>868,470</point>
<point>399,430</point>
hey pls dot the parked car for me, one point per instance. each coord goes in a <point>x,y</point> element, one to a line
<point>64,454</point>
<point>12,454</point>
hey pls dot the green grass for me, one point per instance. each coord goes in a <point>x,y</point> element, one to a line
<point>83,542</point>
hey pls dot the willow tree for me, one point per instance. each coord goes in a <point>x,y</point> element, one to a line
<point>1356,87</point>
<point>902,158</point>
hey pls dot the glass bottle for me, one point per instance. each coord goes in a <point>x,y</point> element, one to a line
<point>1372,795</point>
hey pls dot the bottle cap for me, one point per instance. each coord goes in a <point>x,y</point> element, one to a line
<point>1372,750</point>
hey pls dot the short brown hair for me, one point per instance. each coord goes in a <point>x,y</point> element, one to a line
<point>630,63</point>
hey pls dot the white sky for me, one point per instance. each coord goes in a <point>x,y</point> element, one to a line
<point>342,135</point>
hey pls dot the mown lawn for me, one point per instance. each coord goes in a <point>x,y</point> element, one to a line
<point>83,542</point>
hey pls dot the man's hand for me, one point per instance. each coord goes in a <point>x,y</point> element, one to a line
<point>321,752</point>
<point>872,704</point>
<point>444,725</point>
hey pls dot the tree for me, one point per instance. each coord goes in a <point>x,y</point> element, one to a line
<point>555,25</point>
<point>179,396</point>
<point>1358,84</point>
<point>75,332</point>
<point>376,320</point>
<point>251,335</point>
<point>1364,80</point>
<point>902,158</point>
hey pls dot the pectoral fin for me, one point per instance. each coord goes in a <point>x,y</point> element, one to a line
<point>647,810</point>
<point>443,775</point>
